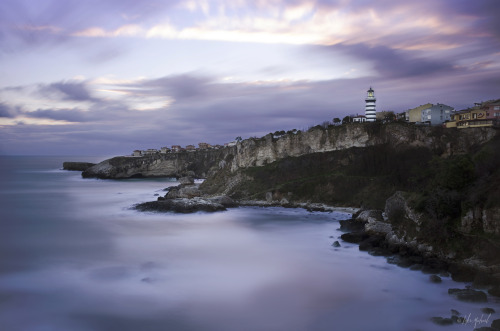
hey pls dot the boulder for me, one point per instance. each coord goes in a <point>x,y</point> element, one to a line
<point>435,279</point>
<point>442,320</point>
<point>468,295</point>
<point>367,215</point>
<point>187,180</point>
<point>336,244</point>
<point>351,225</point>
<point>354,237</point>
<point>223,200</point>
<point>180,206</point>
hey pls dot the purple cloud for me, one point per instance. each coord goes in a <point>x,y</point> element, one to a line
<point>72,91</point>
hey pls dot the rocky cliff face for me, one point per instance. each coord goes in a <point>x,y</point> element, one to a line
<point>200,163</point>
<point>261,151</point>
<point>258,152</point>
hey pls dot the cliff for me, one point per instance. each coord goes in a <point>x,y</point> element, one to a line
<point>255,152</point>
<point>199,163</point>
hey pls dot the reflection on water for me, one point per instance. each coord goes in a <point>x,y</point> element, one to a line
<point>75,257</point>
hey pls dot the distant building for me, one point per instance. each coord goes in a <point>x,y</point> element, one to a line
<point>370,111</point>
<point>492,110</point>
<point>176,148</point>
<point>429,114</point>
<point>414,115</point>
<point>386,116</point>
<point>204,146</point>
<point>358,119</point>
<point>150,151</point>
<point>190,148</point>
<point>437,114</point>
<point>137,153</point>
<point>483,114</point>
<point>164,150</point>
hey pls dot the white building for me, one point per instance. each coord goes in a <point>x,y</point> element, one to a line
<point>370,112</point>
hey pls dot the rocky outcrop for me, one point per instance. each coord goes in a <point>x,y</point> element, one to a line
<point>77,166</point>
<point>261,151</point>
<point>181,206</point>
<point>198,163</point>
<point>478,218</point>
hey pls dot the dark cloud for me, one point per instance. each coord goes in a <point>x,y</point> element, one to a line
<point>72,91</point>
<point>6,111</point>
<point>391,63</point>
<point>70,115</point>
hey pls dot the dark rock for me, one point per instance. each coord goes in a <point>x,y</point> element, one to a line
<point>223,200</point>
<point>336,244</point>
<point>367,215</point>
<point>77,166</point>
<point>400,261</point>
<point>468,295</point>
<point>485,328</point>
<point>371,242</point>
<point>378,251</point>
<point>455,312</point>
<point>156,194</point>
<point>496,324</point>
<point>442,320</point>
<point>482,280</point>
<point>351,225</point>
<point>180,206</point>
<point>487,310</point>
<point>460,273</point>
<point>495,291</point>
<point>435,279</point>
<point>416,267</point>
<point>354,237</point>
<point>188,180</point>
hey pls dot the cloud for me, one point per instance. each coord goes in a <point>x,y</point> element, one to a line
<point>6,111</point>
<point>391,63</point>
<point>68,90</point>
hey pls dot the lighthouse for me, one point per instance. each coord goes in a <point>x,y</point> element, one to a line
<point>370,111</point>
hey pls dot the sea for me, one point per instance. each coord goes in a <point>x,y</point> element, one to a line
<point>75,256</point>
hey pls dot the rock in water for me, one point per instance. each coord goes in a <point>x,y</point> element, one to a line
<point>77,166</point>
<point>468,295</point>
<point>435,279</point>
<point>181,206</point>
<point>336,244</point>
<point>442,320</point>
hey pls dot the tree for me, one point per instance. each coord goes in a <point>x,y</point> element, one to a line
<point>336,121</point>
<point>238,139</point>
<point>346,119</point>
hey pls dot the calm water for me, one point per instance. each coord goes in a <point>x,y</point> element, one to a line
<point>75,257</point>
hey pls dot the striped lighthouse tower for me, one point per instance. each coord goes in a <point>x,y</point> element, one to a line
<point>370,111</point>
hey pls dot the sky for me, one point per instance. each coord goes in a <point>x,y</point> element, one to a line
<point>96,77</point>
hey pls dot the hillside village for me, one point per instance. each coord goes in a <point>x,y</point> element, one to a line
<point>482,114</point>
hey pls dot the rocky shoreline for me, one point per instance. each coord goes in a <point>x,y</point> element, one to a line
<point>371,231</point>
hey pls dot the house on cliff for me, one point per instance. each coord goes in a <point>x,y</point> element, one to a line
<point>430,114</point>
<point>483,114</point>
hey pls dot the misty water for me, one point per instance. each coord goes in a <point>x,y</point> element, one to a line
<point>74,256</point>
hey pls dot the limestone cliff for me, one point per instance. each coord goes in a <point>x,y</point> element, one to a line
<point>261,151</point>
<point>159,165</point>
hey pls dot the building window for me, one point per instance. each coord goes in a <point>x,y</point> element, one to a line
<point>496,108</point>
